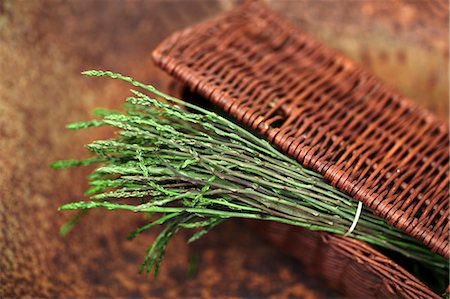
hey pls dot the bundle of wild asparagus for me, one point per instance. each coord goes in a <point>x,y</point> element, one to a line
<point>191,169</point>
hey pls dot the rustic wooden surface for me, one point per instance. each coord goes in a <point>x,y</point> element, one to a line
<point>43,47</point>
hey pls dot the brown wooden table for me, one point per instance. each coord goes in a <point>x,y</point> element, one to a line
<point>43,47</point>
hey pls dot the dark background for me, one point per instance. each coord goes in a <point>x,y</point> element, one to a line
<point>43,47</point>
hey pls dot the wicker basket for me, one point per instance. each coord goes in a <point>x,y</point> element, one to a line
<point>334,117</point>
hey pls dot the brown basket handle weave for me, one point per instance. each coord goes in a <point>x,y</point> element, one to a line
<point>349,266</point>
<point>323,110</point>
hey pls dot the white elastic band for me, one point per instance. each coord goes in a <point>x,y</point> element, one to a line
<point>355,220</point>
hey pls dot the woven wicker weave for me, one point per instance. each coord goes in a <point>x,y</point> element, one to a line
<point>349,266</point>
<point>324,110</point>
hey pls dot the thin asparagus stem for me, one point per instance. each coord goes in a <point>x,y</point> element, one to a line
<point>194,169</point>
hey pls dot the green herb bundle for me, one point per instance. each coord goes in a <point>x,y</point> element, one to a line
<point>191,169</point>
